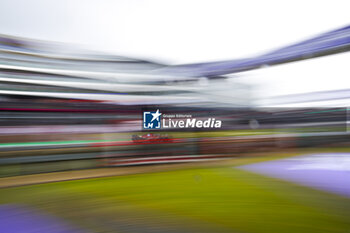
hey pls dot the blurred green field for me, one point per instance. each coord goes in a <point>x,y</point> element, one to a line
<point>211,199</point>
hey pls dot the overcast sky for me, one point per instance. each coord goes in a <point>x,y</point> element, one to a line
<point>184,31</point>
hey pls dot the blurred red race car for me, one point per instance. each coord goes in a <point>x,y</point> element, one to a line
<point>150,137</point>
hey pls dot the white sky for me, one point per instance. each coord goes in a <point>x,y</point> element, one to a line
<point>184,31</point>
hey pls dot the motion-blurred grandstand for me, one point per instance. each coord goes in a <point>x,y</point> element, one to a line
<point>64,108</point>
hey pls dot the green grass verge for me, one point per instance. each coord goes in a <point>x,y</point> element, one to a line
<point>219,199</point>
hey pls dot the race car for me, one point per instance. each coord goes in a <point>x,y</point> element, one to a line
<point>151,138</point>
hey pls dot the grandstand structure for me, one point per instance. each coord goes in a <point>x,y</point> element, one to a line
<point>41,69</point>
<point>37,69</point>
<point>67,105</point>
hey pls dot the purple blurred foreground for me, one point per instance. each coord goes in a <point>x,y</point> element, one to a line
<point>327,171</point>
<point>19,219</point>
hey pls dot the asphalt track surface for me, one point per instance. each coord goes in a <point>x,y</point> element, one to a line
<point>329,172</point>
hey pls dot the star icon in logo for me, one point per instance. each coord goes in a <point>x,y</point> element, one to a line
<point>156,115</point>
